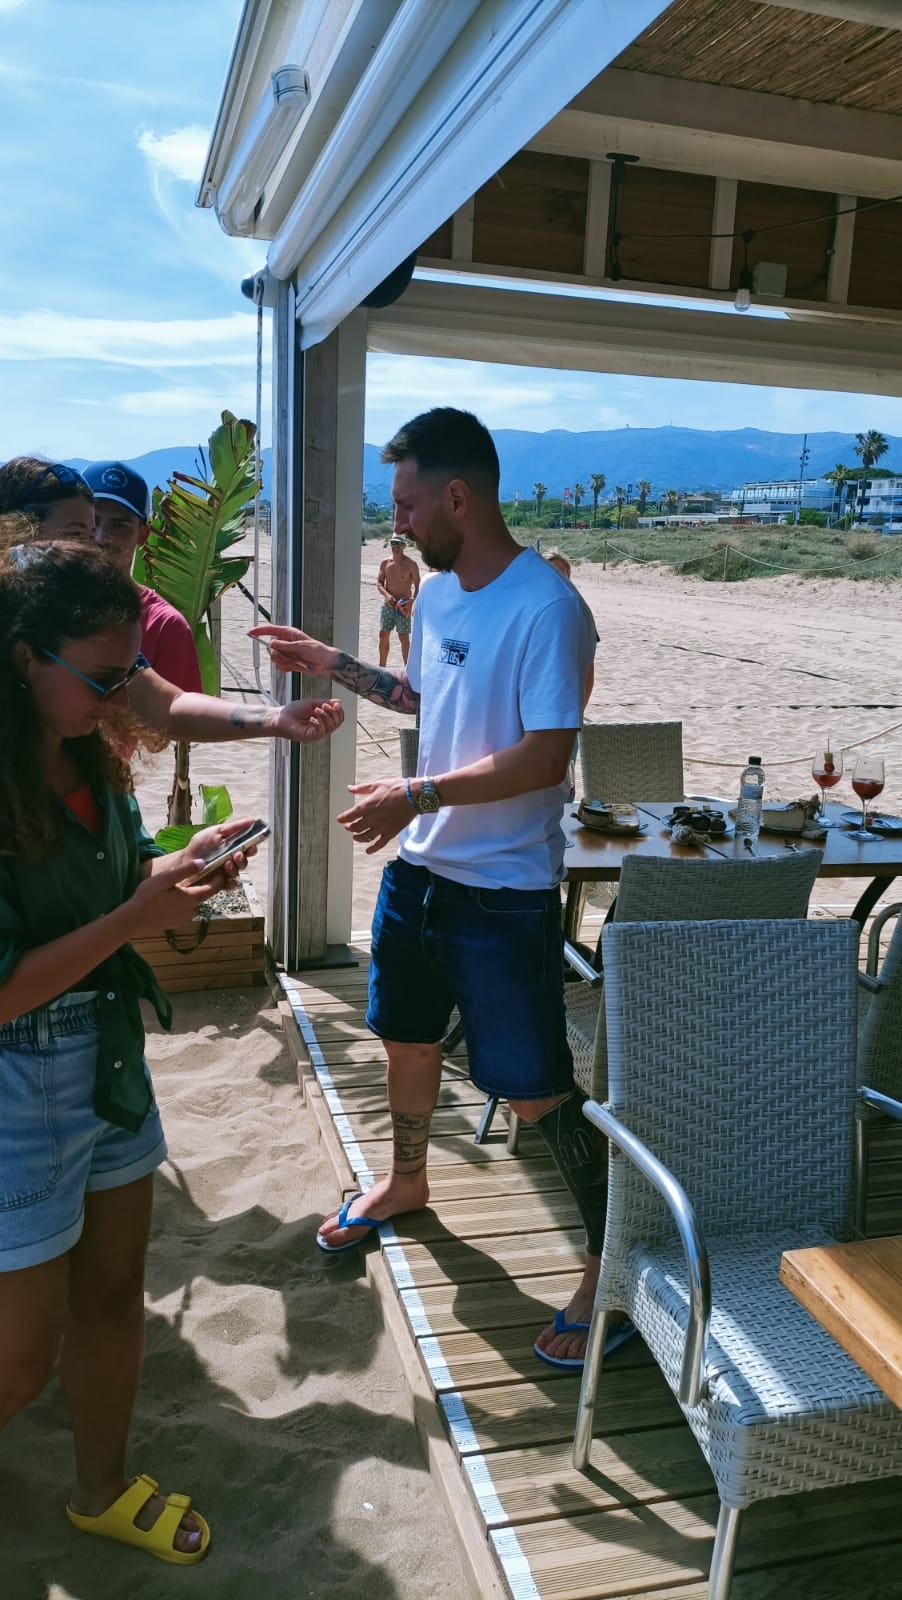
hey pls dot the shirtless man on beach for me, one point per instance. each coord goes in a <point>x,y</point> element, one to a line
<point>398,584</point>
<point>469,914</point>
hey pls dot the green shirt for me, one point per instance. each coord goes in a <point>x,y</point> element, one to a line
<point>86,876</point>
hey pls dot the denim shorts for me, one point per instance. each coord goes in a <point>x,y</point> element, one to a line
<point>497,954</point>
<point>54,1149</point>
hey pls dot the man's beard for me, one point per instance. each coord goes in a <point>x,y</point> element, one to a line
<point>440,547</point>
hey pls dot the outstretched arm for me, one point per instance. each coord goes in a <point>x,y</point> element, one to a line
<point>292,650</point>
<point>201,718</point>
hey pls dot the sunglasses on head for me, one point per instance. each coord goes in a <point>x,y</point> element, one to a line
<point>66,477</point>
<point>104,691</point>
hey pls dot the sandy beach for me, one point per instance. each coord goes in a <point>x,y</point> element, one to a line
<point>271,1391</point>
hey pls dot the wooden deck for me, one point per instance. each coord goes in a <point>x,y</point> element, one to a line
<point>467,1284</point>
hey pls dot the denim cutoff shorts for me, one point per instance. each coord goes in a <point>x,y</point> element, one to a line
<point>54,1149</point>
<point>497,954</point>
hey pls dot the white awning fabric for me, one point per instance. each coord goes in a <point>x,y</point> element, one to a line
<point>475,323</point>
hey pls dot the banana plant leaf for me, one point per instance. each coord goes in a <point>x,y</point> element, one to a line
<point>217,807</point>
<point>193,524</point>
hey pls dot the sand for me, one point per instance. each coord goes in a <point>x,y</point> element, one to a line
<point>271,1392</point>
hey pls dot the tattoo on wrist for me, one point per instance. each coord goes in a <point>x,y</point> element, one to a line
<point>243,717</point>
<point>410,1140</point>
<point>378,684</point>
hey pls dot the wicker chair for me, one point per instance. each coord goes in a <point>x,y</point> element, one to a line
<point>732,1098</point>
<point>632,760</point>
<point>688,891</point>
<point>880,1068</point>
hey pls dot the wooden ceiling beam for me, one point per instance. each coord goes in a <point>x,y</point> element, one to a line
<point>730,133</point>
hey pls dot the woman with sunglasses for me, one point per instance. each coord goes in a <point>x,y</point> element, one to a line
<point>80,1135</point>
<point>59,504</point>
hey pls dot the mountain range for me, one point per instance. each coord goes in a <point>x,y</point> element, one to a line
<point>671,458</point>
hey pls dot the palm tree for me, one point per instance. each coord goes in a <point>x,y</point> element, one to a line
<point>619,496</point>
<point>579,493</point>
<point>840,477</point>
<point>597,481</point>
<point>870,447</point>
<point>540,493</point>
<point>644,492</point>
<point>671,501</point>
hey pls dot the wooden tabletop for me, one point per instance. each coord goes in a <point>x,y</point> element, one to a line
<point>855,1292</point>
<point>597,858</point>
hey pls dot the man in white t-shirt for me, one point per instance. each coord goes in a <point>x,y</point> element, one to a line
<point>469,913</point>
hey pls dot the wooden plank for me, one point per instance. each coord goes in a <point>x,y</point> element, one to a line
<point>204,960</point>
<point>855,1292</point>
<point>253,978</point>
<point>531,1175</point>
<point>633,1551</point>
<point>506,1356</point>
<point>722,224</point>
<point>498,1302</point>
<point>370,1097</point>
<point>457,1152</point>
<point>474,1219</point>
<point>345,1074</point>
<point>221,935</point>
<point>448,1122</point>
<point>540,1481</point>
<point>870,1574</point>
<point>598,204</point>
<point>541,1412</point>
<point>482,1572</point>
<point>517,1256</point>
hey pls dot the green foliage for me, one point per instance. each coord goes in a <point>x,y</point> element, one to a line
<point>217,807</point>
<point>813,519</point>
<point>193,524</point>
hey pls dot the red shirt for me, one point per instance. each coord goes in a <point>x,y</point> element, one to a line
<point>168,643</point>
<point>82,804</point>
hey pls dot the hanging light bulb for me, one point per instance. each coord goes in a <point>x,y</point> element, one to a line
<point>743,299</point>
<point>744,292</point>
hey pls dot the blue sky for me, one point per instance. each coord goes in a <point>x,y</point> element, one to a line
<point>122,328</point>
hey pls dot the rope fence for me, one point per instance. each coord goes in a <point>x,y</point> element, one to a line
<point>852,565</point>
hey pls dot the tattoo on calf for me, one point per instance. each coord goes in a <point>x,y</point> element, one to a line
<point>411,1140</point>
<point>378,684</point>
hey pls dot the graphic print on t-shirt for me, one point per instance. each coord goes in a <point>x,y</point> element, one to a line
<point>454,652</point>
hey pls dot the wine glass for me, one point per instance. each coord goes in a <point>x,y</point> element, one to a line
<point>867,781</point>
<point>826,770</point>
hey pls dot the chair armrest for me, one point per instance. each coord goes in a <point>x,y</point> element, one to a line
<point>585,968</point>
<point>873,985</point>
<point>877,926</point>
<point>881,1102</point>
<point>693,1382</point>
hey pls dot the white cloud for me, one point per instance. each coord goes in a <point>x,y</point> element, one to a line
<point>12,5</point>
<point>192,402</point>
<point>175,160</point>
<point>181,153</point>
<point>46,335</point>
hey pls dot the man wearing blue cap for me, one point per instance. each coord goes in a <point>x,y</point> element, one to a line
<point>121,510</point>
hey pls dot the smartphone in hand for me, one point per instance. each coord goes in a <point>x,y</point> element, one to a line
<point>248,836</point>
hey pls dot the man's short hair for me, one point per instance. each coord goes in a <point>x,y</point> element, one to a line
<point>448,443</point>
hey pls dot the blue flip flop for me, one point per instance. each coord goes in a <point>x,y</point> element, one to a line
<point>616,1337</point>
<point>346,1221</point>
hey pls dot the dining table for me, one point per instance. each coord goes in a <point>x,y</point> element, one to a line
<point>594,857</point>
<point>855,1291</point>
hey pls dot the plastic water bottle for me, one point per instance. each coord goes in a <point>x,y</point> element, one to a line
<point>748,810</point>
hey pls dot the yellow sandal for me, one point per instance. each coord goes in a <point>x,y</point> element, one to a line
<point>118,1522</point>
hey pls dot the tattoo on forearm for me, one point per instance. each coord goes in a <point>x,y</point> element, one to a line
<point>379,684</point>
<point>410,1140</point>
<point>246,719</point>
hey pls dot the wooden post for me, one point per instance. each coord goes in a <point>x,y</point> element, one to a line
<point>604,555</point>
<point>318,398</point>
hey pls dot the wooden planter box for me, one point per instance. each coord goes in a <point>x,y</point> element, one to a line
<point>226,952</point>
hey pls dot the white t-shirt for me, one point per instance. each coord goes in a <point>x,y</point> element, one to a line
<point>490,665</point>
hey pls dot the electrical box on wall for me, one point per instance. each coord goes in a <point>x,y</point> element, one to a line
<point>770,278</point>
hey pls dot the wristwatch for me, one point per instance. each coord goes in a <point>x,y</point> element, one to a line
<point>428,799</point>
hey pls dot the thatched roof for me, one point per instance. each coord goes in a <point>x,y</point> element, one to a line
<point>765,48</point>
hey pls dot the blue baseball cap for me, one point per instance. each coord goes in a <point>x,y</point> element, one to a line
<point>113,480</point>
